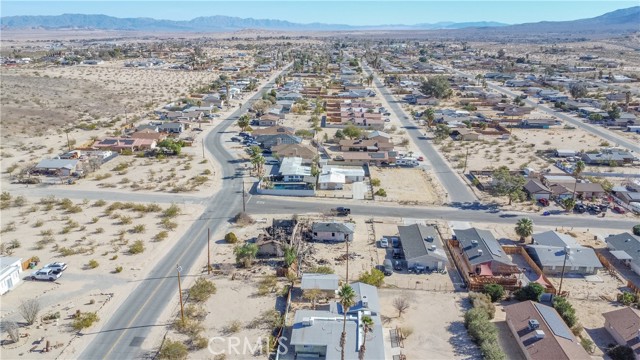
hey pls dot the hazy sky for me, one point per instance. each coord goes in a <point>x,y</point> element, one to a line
<point>356,12</point>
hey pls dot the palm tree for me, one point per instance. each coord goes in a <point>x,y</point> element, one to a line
<point>244,121</point>
<point>524,228</point>
<point>258,162</point>
<point>367,325</point>
<point>370,79</point>
<point>347,299</point>
<point>580,165</point>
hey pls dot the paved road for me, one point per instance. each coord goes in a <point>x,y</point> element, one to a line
<point>472,212</point>
<point>126,329</point>
<point>457,189</point>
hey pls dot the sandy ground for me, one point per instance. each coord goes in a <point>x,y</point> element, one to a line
<point>407,185</point>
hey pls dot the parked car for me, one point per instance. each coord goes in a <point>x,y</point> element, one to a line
<point>236,139</point>
<point>398,254</point>
<point>272,162</point>
<point>543,202</point>
<point>387,114</point>
<point>387,120</point>
<point>580,208</point>
<point>384,243</point>
<point>388,267</point>
<point>338,158</point>
<point>619,210</point>
<point>397,266</point>
<point>342,211</point>
<point>197,129</point>
<point>420,158</point>
<point>46,274</point>
<point>57,266</point>
<point>395,242</point>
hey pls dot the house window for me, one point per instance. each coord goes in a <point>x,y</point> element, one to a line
<point>333,234</point>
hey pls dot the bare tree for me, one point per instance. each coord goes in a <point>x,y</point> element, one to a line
<point>312,295</point>
<point>29,310</point>
<point>12,330</point>
<point>401,304</point>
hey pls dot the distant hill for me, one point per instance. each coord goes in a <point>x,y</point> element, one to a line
<point>623,20</point>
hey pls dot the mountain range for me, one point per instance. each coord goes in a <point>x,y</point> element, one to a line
<point>627,20</point>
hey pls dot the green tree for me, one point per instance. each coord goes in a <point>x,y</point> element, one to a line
<point>530,292</point>
<point>245,254</point>
<point>507,184</point>
<point>442,131</point>
<point>243,122</point>
<point>429,115</point>
<point>261,107</point>
<point>578,90</point>
<point>614,112</point>
<point>304,133</point>
<point>524,228</point>
<point>437,87</point>
<point>352,132</point>
<point>636,230</point>
<point>367,325</point>
<point>347,298</point>
<point>374,278</point>
<point>495,291</point>
<point>566,310</point>
<point>595,117</point>
<point>339,135</point>
<point>621,352</point>
<point>577,170</point>
<point>175,146</point>
<point>289,255</point>
<point>369,79</point>
<point>569,203</point>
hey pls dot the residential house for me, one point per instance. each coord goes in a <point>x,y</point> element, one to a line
<point>625,195</point>
<point>149,134</point>
<point>292,170</point>
<point>541,333</point>
<point>625,119</point>
<point>306,152</point>
<point>269,247</point>
<point>57,167</point>
<point>172,127</point>
<point>331,181</point>
<point>624,326</point>
<point>292,96</point>
<point>273,130</point>
<point>269,141</point>
<point>328,284</point>
<point>536,190</point>
<point>120,144</point>
<point>10,273</point>
<point>351,174</point>
<point>537,123</point>
<point>422,246</point>
<point>365,145</point>
<point>562,186</point>
<point>626,248</point>
<point>464,134</point>
<point>333,231</point>
<point>316,333</point>
<point>371,158</point>
<point>379,136</point>
<point>609,157</point>
<point>552,251</point>
<point>268,120</point>
<point>483,254</point>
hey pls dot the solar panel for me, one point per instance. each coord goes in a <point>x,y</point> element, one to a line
<point>554,321</point>
<point>493,246</point>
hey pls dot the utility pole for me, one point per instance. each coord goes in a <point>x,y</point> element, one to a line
<point>179,268</point>
<point>208,251</point>
<point>566,254</point>
<point>465,161</point>
<point>243,196</point>
<point>202,147</point>
<point>68,142</point>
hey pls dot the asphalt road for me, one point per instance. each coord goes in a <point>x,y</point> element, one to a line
<point>474,212</point>
<point>457,189</point>
<point>126,329</point>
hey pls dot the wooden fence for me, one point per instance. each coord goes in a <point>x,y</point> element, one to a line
<point>520,250</point>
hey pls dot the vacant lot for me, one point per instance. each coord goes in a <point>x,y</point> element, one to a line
<point>407,185</point>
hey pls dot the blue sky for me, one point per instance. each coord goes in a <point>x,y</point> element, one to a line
<point>335,12</point>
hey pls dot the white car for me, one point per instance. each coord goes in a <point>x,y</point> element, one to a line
<point>384,243</point>
<point>57,266</point>
<point>46,274</point>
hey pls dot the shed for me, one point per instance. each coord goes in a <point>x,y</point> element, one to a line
<point>10,270</point>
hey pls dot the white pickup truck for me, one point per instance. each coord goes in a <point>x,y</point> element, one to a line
<point>46,274</point>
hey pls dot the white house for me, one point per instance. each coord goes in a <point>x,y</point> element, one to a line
<point>10,271</point>
<point>333,231</point>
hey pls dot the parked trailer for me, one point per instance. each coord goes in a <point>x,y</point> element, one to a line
<point>407,162</point>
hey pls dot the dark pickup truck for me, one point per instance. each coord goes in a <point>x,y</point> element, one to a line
<point>341,211</point>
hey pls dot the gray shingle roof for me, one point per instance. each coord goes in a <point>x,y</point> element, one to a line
<point>333,226</point>
<point>479,246</point>
<point>627,243</point>
<point>554,256</point>
<point>415,244</point>
<point>320,281</point>
<point>553,238</point>
<point>57,164</point>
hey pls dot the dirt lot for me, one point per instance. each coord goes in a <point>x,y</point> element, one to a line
<point>436,319</point>
<point>407,185</point>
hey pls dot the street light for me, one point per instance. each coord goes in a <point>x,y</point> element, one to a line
<point>567,252</point>
<point>179,269</point>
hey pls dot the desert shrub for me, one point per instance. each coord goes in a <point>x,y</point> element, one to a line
<point>118,269</point>
<point>99,230</point>
<point>481,329</point>
<point>381,192</point>
<point>162,235</point>
<point>38,223</point>
<point>322,270</point>
<point>12,330</point>
<point>201,290</point>
<point>99,203</point>
<point>51,316</point>
<point>29,310</point>
<point>137,247</point>
<point>495,291</point>
<point>92,264</point>
<point>243,219</point>
<point>483,302</point>
<point>233,327</point>
<point>566,310</point>
<point>125,220</point>
<point>84,320</point>
<point>375,182</point>
<point>406,331</point>
<point>231,238</point>
<point>195,312</point>
<point>188,326</point>
<point>199,342</point>
<point>171,212</point>
<point>492,351</point>
<point>374,278</point>
<point>173,350</point>
<point>140,228</point>
<point>168,224</point>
